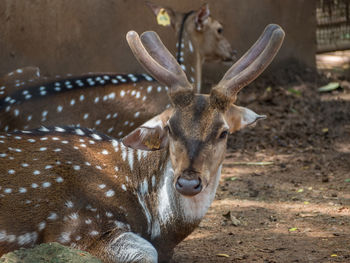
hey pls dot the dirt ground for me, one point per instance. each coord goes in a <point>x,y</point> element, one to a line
<point>293,203</point>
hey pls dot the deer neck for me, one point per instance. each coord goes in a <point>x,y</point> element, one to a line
<point>188,54</point>
<point>173,214</point>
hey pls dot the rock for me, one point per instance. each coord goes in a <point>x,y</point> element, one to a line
<point>49,252</point>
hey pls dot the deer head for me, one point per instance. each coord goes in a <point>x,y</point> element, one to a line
<point>196,127</point>
<point>202,26</point>
<point>200,39</point>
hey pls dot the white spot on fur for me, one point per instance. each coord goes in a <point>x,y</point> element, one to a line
<point>59,179</point>
<point>96,137</point>
<point>52,216</point>
<point>131,158</point>
<point>22,190</point>
<point>94,233</point>
<point>27,238</point>
<point>69,204</point>
<point>59,129</point>
<point>7,190</point>
<point>110,193</point>
<point>74,216</point>
<point>153,181</point>
<point>41,225</point>
<point>59,108</point>
<point>79,132</point>
<point>165,194</point>
<point>64,237</point>
<point>46,184</point>
<point>190,46</point>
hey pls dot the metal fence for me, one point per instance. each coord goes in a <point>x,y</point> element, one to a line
<point>333,25</point>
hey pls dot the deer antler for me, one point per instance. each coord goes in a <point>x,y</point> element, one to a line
<point>157,60</point>
<point>248,68</point>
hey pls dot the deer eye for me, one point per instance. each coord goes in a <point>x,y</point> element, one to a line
<point>220,30</point>
<point>223,135</point>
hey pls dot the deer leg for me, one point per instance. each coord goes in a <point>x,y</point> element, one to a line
<point>126,247</point>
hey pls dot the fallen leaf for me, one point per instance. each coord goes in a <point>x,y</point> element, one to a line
<point>329,87</point>
<point>231,178</point>
<point>293,110</point>
<point>294,91</point>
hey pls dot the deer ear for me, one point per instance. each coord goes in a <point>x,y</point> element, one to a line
<point>240,117</point>
<point>165,15</point>
<point>148,139</point>
<point>202,16</point>
<point>150,136</point>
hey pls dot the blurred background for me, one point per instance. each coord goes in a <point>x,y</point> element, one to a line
<point>63,36</point>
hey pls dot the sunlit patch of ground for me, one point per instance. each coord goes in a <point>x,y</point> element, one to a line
<point>333,60</point>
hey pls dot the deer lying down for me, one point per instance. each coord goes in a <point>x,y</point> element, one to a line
<point>114,104</point>
<point>132,200</point>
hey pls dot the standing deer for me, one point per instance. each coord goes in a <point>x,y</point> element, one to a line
<point>128,100</point>
<point>132,200</point>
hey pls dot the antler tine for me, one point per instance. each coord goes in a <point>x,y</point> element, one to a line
<point>161,54</point>
<point>157,60</point>
<point>252,53</point>
<point>153,56</point>
<point>152,66</point>
<point>225,92</point>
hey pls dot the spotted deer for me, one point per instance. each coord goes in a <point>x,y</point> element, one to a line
<point>101,100</point>
<point>135,199</point>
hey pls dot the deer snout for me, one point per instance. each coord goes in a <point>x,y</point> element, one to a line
<point>227,53</point>
<point>189,183</point>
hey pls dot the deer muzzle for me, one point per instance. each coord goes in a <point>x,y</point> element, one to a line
<point>189,183</point>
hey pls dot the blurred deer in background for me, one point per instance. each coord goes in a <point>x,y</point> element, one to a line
<point>132,200</point>
<point>101,100</point>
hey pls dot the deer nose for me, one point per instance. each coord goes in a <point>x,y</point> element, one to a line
<point>189,183</point>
